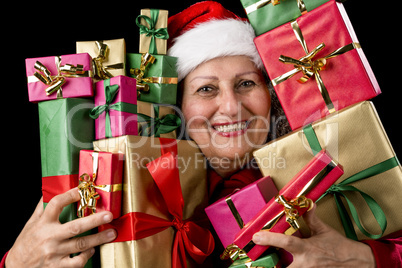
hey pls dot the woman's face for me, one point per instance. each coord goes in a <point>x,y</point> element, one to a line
<point>226,105</point>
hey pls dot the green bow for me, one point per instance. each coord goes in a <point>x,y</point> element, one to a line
<point>339,190</point>
<point>161,33</point>
<point>110,94</point>
<point>156,126</point>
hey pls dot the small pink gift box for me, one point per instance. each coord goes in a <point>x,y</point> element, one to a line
<point>115,111</point>
<point>229,214</point>
<point>69,75</point>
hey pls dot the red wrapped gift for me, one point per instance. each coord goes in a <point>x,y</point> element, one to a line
<point>229,214</point>
<point>323,54</point>
<point>66,76</point>
<point>100,182</point>
<point>293,200</point>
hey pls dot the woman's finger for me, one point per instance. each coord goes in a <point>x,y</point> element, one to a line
<point>81,225</point>
<point>38,211</point>
<point>79,260</point>
<point>83,243</point>
<point>314,223</point>
<point>289,243</point>
<point>57,203</point>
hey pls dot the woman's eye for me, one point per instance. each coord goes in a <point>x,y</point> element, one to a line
<point>204,89</point>
<point>247,83</point>
<point>207,91</point>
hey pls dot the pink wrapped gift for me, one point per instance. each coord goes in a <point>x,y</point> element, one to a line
<point>100,185</point>
<point>67,76</point>
<point>115,111</point>
<point>229,214</point>
<point>316,64</point>
<point>294,199</point>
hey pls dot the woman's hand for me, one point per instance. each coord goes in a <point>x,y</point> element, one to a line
<point>45,242</point>
<point>325,248</point>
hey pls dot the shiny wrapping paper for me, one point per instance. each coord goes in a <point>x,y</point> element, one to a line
<point>347,77</point>
<point>229,214</point>
<point>310,182</point>
<point>61,138</point>
<point>269,261</point>
<point>127,116</point>
<point>163,66</point>
<point>265,16</point>
<point>109,174</point>
<point>355,138</point>
<point>160,47</point>
<point>141,194</point>
<point>115,58</point>
<point>73,87</point>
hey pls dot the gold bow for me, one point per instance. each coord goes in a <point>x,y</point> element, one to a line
<point>54,82</point>
<point>139,73</point>
<point>310,67</point>
<point>233,252</point>
<point>101,71</point>
<point>259,4</point>
<point>290,208</point>
<point>86,188</point>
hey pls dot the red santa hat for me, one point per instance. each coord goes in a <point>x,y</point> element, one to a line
<point>206,30</point>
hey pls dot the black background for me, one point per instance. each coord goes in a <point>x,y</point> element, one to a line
<point>49,29</point>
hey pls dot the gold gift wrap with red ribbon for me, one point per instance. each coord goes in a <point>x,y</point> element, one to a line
<point>164,196</point>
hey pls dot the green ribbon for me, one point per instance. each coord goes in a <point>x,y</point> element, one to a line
<point>339,190</point>
<point>110,95</point>
<point>156,126</point>
<point>161,33</point>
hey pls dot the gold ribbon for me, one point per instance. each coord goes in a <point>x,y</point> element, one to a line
<point>55,82</point>
<point>86,188</point>
<point>139,73</point>
<point>259,4</point>
<point>235,212</point>
<point>101,71</point>
<point>290,208</point>
<point>310,67</point>
<point>233,252</point>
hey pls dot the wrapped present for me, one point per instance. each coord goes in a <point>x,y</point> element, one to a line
<point>269,261</point>
<point>153,31</point>
<point>156,77</point>
<point>100,185</point>
<point>338,65</point>
<point>265,15</point>
<point>118,113</point>
<point>66,76</point>
<point>293,200</point>
<point>164,215</point>
<point>61,124</point>
<point>229,214</point>
<point>108,56</point>
<point>356,138</point>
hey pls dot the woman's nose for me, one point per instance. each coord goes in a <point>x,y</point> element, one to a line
<point>229,104</point>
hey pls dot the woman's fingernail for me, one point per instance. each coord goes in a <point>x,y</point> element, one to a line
<point>256,238</point>
<point>111,233</point>
<point>107,218</point>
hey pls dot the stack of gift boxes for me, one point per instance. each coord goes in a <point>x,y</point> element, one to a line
<point>108,126</point>
<point>337,154</point>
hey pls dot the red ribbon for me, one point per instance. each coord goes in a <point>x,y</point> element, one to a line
<point>198,242</point>
<point>55,185</point>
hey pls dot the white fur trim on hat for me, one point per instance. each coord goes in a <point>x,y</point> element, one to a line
<point>212,39</point>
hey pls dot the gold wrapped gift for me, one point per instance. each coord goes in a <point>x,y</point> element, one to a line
<point>108,56</point>
<point>141,194</point>
<point>356,139</point>
<point>153,31</point>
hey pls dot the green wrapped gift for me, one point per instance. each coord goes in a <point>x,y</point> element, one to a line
<point>156,77</point>
<point>265,15</point>
<point>65,129</point>
<point>268,261</point>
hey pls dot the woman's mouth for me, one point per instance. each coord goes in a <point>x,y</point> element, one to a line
<point>231,129</point>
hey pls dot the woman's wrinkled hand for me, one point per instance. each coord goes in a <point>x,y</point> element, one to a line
<point>45,242</point>
<point>325,248</point>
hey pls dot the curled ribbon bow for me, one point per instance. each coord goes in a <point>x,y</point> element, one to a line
<point>54,82</point>
<point>161,33</point>
<point>146,60</point>
<point>310,67</point>
<point>100,70</point>
<point>290,208</point>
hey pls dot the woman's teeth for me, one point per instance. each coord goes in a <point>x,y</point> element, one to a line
<point>232,127</point>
